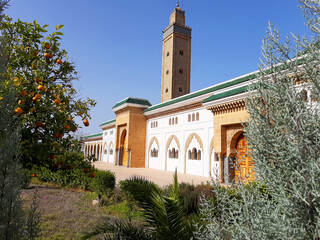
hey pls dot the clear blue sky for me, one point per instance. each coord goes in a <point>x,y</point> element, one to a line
<point>117,45</point>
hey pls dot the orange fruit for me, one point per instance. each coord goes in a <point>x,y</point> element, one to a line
<point>48,55</point>
<point>34,175</point>
<point>21,102</point>
<point>18,110</point>
<point>67,127</point>
<point>57,101</point>
<point>86,123</point>
<point>58,135</point>
<point>69,119</point>
<point>39,124</point>
<point>59,61</point>
<point>34,99</point>
<point>41,87</point>
<point>47,46</point>
<point>23,93</point>
<point>38,96</point>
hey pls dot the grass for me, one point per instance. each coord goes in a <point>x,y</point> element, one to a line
<point>66,213</point>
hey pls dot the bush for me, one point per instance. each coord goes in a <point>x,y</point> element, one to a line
<point>190,196</point>
<point>137,188</point>
<point>103,182</point>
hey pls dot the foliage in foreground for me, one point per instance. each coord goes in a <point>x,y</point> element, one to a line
<point>283,133</point>
<point>15,223</point>
<point>164,216</point>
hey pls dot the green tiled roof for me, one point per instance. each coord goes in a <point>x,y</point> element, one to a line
<point>105,123</point>
<point>133,100</point>
<point>93,135</point>
<point>226,94</point>
<point>202,92</point>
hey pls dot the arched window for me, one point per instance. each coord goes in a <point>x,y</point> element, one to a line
<point>105,151</point>
<point>172,121</point>
<point>156,123</point>
<point>111,151</point>
<point>189,118</point>
<point>197,116</point>
<point>169,153</point>
<point>193,117</point>
<point>173,152</point>
<point>304,95</point>
<point>199,155</point>
<point>189,154</point>
<point>156,153</point>
<point>176,154</point>
<point>176,120</point>
<point>169,121</point>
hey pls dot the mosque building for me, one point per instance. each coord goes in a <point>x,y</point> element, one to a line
<point>196,133</point>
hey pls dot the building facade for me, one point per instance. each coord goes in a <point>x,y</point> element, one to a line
<point>196,133</point>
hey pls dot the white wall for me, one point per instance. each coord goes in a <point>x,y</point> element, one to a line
<point>182,130</point>
<point>109,145</point>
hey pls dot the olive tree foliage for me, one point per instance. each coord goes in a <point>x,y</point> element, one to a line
<point>283,133</point>
<point>15,223</point>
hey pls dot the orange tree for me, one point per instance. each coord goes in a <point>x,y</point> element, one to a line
<point>46,102</point>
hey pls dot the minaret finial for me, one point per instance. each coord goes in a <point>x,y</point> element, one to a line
<point>178,4</point>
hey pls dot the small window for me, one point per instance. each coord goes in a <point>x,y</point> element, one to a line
<point>167,72</point>
<point>169,121</point>
<point>105,151</point>
<point>111,151</point>
<point>172,120</point>
<point>105,133</point>
<point>197,116</point>
<point>156,124</point>
<point>199,155</point>
<point>189,154</point>
<point>167,90</point>
<point>111,132</point>
<point>189,118</point>
<point>180,89</point>
<point>180,70</point>
<point>181,52</point>
<point>168,54</point>
<point>176,120</point>
<point>152,125</point>
<point>193,117</point>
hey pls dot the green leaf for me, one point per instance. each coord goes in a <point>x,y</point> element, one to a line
<point>46,25</point>
<point>59,33</point>
<point>59,27</point>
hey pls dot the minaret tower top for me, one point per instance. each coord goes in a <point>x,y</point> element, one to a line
<point>176,56</point>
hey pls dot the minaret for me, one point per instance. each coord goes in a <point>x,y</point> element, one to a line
<point>176,57</point>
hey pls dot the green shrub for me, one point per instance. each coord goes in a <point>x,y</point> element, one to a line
<point>26,176</point>
<point>138,188</point>
<point>103,182</point>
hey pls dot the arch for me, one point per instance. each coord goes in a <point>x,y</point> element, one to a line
<point>304,95</point>
<point>123,159</point>
<point>197,116</point>
<point>189,139</point>
<point>193,117</point>
<point>150,144</point>
<point>111,148</point>
<point>105,148</point>
<point>167,146</point>
<point>233,143</point>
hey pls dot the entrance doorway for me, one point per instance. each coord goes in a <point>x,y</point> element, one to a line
<point>123,158</point>
<point>244,169</point>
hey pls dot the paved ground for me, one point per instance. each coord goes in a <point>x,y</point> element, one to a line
<point>162,178</point>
